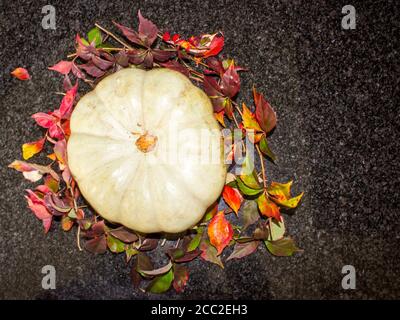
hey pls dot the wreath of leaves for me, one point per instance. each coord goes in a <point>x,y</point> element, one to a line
<point>256,204</point>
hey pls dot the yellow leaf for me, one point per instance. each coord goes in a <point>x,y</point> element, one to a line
<point>249,119</point>
<point>280,193</point>
<point>31,148</point>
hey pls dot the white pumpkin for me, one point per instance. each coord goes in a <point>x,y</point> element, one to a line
<point>134,150</point>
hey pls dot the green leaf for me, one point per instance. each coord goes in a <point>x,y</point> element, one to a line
<point>251,180</point>
<point>114,244</point>
<point>265,149</point>
<point>95,35</point>
<point>249,214</point>
<point>130,252</point>
<point>246,190</point>
<point>277,229</point>
<point>284,247</point>
<point>84,41</point>
<point>194,243</point>
<point>161,283</point>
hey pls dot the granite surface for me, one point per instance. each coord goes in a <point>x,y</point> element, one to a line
<point>336,93</point>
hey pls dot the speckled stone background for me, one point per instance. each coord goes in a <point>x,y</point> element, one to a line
<point>336,93</point>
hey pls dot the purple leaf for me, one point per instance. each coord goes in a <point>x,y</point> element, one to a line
<point>124,234</point>
<point>130,34</point>
<point>97,245</point>
<point>147,30</point>
<point>102,63</point>
<point>92,70</point>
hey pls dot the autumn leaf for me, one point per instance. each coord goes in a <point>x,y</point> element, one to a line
<point>21,74</point>
<point>247,190</point>
<point>181,276</point>
<point>31,148</point>
<point>209,253</point>
<point>268,208</point>
<point>66,223</point>
<point>265,149</point>
<point>220,117</point>
<point>115,245</point>
<point>63,67</point>
<point>265,115</point>
<point>68,101</point>
<point>249,119</point>
<point>284,247</point>
<point>124,234</point>
<point>147,30</point>
<point>32,172</point>
<point>280,193</point>
<point>211,212</point>
<point>38,207</point>
<point>194,243</point>
<point>230,82</point>
<point>232,197</point>
<point>96,245</point>
<point>176,66</point>
<point>220,232</point>
<point>161,283</point>
<point>277,229</point>
<point>249,214</point>
<point>241,250</point>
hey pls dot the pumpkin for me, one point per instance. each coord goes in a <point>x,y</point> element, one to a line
<point>146,150</point>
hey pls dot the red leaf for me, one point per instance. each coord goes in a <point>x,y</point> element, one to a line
<point>230,82</point>
<point>175,65</point>
<point>68,101</point>
<point>21,74</point>
<point>38,208</point>
<point>217,43</point>
<point>213,90</point>
<point>162,55</point>
<point>220,232</point>
<point>130,34</point>
<point>77,72</point>
<point>43,119</point>
<point>166,36</point>
<point>232,197</point>
<point>92,70</point>
<point>103,64</point>
<point>63,67</point>
<point>47,224</point>
<point>265,115</point>
<point>243,249</point>
<point>181,276</point>
<point>147,30</point>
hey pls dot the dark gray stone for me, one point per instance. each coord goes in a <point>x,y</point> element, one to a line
<point>336,95</point>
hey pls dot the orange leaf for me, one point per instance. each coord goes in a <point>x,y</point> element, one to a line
<point>268,208</point>
<point>220,232</point>
<point>31,148</point>
<point>66,223</point>
<point>233,198</point>
<point>220,117</point>
<point>21,74</point>
<point>52,156</point>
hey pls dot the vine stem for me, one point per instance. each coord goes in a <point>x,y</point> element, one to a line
<point>262,167</point>
<point>113,36</point>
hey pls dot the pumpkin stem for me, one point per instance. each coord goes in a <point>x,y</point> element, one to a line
<point>146,142</point>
